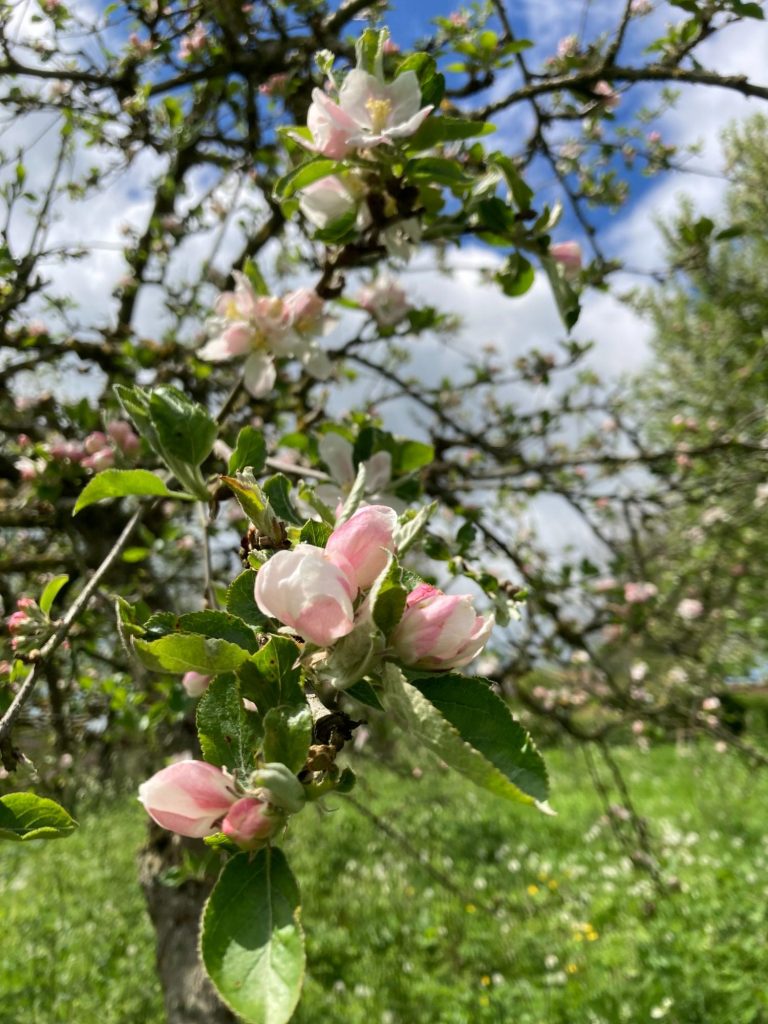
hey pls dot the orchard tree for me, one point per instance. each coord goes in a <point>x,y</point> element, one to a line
<point>676,613</point>
<point>271,549</point>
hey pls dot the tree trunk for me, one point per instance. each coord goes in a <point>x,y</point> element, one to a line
<point>175,913</point>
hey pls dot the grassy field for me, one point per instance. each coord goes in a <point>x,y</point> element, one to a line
<point>492,913</point>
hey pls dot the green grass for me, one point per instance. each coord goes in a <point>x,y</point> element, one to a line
<point>545,922</point>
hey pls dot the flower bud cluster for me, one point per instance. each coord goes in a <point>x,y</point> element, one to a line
<point>27,626</point>
<point>98,451</point>
<point>197,799</point>
<point>321,594</point>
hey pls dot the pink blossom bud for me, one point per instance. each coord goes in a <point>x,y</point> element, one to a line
<point>307,591</point>
<point>275,85</point>
<point>95,442</point>
<point>188,797</point>
<point>29,469</point>
<point>16,621</point>
<point>568,255</point>
<point>638,593</point>
<point>195,684</point>
<point>710,704</point>
<point>104,458</point>
<point>364,542</point>
<point>439,631</point>
<point>304,308</point>
<point>690,608</point>
<point>123,436</point>
<point>248,824</point>
<point>607,95</point>
<point>568,46</point>
<point>71,450</point>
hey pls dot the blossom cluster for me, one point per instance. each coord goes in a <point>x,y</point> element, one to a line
<point>320,593</point>
<point>262,327</point>
<point>197,799</point>
<point>98,451</point>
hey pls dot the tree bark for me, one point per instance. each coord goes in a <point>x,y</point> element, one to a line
<point>175,913</point>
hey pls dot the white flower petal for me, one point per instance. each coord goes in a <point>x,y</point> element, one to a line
<point>259,374</point>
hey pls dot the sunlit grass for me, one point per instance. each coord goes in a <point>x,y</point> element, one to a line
<point>522,918</point>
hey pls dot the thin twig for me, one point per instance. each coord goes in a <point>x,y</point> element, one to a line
<point>60,633</point>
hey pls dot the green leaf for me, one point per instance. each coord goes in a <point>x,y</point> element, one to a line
<point>305,174</point>
<point>352,656</point>
<point>118,483</point>
<point>271,677</point>
<point>250,451</point>
<point>241,602</point>
<point>278,489</point>
<point>314,532</point>
<point>255,278</point>
<point>364,693</point>
<point>438,169</point>
<point>26,816</point>
<point>50,592</point>
<point>252,943</point>
<point>186,430</point>
<point>355,496</point>
<point>447,129</point>
<point>410,527</point>
<point>369,51</point>
<point>229,735</point>
<point>254,503</point>
<point>187,652</point>
<point>339,230</point>
<point>287,735</point>
<point>219,624</point>
<point>413,455</point>
<point>388,596</point>
<point>450,718</point>
<point>517,276</point>
<point>431,82</point>
<point>522,194</point>
<point>566,298</point>
<point>484,721</point>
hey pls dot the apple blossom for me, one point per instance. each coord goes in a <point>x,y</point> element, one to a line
<point>369,113</point>
<point>192,42</point>
<point>606,94</point>
<point>639,593</point>
<point>440,631</point>
<point>261,327</point>
<point>307,591</point>
<point>29,469</point>
<point>104,458</point>
<point>568,255</point>
<point>195,684</point>
<point>248,822</point>
<point>385,300</point>
<point>275,85</point>
<point>188,797</point>
<point>364,543</point>
<point>327,200</point>
<point>122,434</point>
<point>690,608</point>
<point>336,452</point>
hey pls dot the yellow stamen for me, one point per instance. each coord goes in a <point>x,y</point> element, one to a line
<point>379,111</point>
